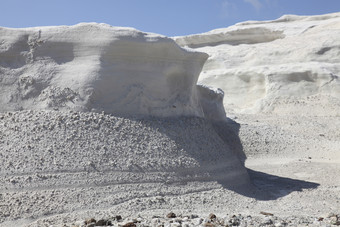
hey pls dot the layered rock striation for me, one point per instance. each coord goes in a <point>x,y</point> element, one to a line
<point>97,67</point>
<point>284,66</point>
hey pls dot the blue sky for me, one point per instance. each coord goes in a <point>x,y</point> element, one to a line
<point>167,17</point>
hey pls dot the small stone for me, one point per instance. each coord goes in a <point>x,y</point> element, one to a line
<point>78,223</point>
<point>139,220</point>
<point>331,215</point>
<point>118,218</point>
<point>90,220</point>
<point>234,221</point>
<point>212,216</point>
<point>28,179</point>
<point>13,181</point>
<point>335,220</point>
<point>266,213</point>
<point>193,216</point>
<point>155,220</point>
<point>281,224</point>
<point>171,215</point>
<point>175,224</point>
<point>197,221</point>
<point>129,224</point>
<point>267,221</point>
<point>103,222</point>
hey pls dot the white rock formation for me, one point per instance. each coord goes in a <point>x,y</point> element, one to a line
<point>61,167</point>
<point>97,67</point>
<point>156,140</point>
<point>270,66</point>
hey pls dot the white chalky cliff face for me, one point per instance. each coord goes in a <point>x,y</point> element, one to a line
<point>96,67</point>
<point>170,148</point>
<point>283,66</point>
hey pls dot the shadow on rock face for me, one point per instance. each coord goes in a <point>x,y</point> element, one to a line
<point>207,151</point>
<point>228,131</point>
<point>262,186</point>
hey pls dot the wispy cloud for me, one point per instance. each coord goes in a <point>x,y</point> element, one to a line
<point>256,3</point>
<point>228,9</point>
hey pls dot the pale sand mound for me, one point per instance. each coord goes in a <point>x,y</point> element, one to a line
<point>63,162</point>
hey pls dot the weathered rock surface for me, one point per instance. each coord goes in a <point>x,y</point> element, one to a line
<point>96,67</point>
<point>286,66</point>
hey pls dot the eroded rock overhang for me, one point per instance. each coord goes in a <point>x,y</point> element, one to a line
<point>97,67</point>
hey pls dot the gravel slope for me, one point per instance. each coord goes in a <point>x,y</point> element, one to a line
<point>56,169</point>
<point>63,162</point>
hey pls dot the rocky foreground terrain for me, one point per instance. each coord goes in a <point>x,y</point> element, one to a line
<point>171,219</point>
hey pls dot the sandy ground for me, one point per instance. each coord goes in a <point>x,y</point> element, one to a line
<point>296,159</point>
<point>292,161</point>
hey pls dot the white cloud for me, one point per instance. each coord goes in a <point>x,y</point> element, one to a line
<point>256,3</point>
<point>228,9</point>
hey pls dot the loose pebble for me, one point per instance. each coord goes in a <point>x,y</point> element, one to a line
<point>213,220</point>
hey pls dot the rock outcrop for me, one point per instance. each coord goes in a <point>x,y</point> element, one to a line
<point>92,116</point>
<point>96,67</point>
<point>286,66</point>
